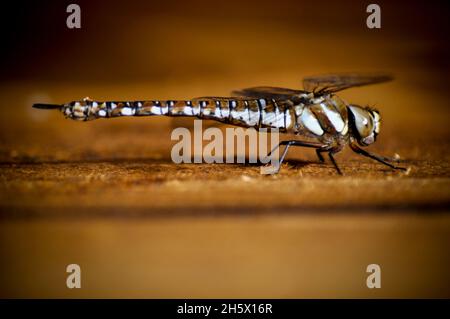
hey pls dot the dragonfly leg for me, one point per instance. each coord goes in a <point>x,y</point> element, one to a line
<point>297,143</point>
<point>276,147</point>
<point>319,155</point>
<point>389,159</point>
<point>330,155</point>
<point>378,158</point>
<point>283,155</point>
<point>276,168</point>
<point>290,143</point>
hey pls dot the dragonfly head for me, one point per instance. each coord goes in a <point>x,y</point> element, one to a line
<point>365,124</point>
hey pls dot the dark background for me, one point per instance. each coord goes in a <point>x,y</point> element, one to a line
<point>156,40</point>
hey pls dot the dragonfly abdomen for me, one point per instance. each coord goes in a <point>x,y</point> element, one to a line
<point>257,113</point>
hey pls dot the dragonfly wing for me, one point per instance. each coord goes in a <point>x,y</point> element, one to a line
<point>237,98</point>
<point>331,83</point>
<point>267,92</point>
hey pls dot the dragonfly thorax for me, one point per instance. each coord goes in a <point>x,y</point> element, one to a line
<point>364,123</point>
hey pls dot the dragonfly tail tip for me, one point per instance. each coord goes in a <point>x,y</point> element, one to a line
<point>46,106</point>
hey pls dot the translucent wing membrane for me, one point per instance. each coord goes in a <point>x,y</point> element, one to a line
<point>331,83</point>
<point>267,92</point>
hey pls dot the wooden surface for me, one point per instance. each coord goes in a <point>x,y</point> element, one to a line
<point>106,195</point>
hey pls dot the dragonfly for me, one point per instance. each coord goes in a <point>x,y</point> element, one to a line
<point>321,119</point>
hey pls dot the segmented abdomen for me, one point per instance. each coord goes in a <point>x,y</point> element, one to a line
<point>257,113</point>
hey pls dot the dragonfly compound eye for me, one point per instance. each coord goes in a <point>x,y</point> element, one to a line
<point>364,124</point>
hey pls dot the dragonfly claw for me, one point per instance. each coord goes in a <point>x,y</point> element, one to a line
<point>270,169</point>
